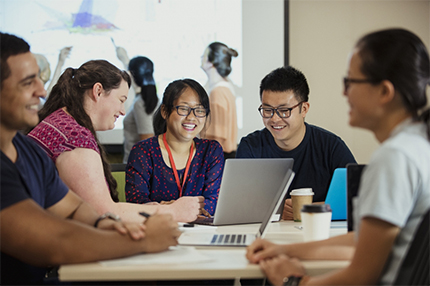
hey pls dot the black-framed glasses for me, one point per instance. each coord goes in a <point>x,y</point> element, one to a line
<point>283,112</point>
<point>184,110</point>
<point>347,82</point>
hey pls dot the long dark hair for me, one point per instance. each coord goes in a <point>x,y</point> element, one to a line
<point>173,91</point>
<point>141,68</point>
<point>69,92</point>
<point>220,56</point>
<point>401,57</point>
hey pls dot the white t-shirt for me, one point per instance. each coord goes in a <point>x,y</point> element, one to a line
<point>395,187</point>
<point>136,122</point>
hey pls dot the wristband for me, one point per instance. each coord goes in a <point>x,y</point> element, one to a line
<point>291,281</point>
<point>108,215</point>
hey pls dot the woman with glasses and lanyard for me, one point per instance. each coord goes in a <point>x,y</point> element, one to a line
<point>175,163</point>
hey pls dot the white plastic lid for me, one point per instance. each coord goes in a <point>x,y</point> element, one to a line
<point>302,192</point>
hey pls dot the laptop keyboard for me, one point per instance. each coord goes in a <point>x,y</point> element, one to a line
<point>228,239</point>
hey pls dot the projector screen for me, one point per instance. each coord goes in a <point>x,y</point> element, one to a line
<point>172,33</point>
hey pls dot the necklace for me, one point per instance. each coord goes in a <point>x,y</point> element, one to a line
<point>172,163</point>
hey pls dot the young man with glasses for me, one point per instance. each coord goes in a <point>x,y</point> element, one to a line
<point>284,95</point>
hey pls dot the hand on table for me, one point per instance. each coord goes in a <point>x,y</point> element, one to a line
<point>203,212</point>
<point>281,266</point>
<point>262,249</point>
<point>135,230</point>
<point>287,213</point>
<point>186,209</point>
<point>161,233</point>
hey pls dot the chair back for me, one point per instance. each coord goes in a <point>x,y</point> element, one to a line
<point>118,172</point>
<point>415,268</point>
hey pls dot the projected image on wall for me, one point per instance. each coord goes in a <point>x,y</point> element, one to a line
<point>172,33</point>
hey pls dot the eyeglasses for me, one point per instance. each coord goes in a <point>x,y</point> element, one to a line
<point>283,112</point>
<point>184,110</point>
<point>347,82</point>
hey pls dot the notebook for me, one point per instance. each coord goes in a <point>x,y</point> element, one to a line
<point>248,187</point>
<point>353,176</point>
<point>336,195</point>
<point>240,239</point>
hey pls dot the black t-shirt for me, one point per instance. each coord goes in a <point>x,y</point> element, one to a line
<point>315,159</point>
<point>32,176</point>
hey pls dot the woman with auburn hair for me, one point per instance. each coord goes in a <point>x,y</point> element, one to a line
<point>83,101</point>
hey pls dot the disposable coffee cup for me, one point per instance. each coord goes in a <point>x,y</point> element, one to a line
<point>300,197</point>
<point>316,221</point>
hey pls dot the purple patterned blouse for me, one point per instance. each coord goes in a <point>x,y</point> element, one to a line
<point>148,178</point>
<point>59,132</point>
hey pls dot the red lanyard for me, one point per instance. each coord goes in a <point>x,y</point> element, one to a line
<point>172,162</point>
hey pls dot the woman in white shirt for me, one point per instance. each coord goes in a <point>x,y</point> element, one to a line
<point>138,121</point>
<point>388,74</point>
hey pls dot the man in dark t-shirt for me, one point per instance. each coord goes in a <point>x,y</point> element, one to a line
<point>284,95</point>
<point>44,187</point>
<point>37,208</point>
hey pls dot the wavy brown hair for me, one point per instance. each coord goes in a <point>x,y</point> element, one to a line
<point>70,91</point>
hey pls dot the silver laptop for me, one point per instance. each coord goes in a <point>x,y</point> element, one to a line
<point>240,239</point>
<point>247,190</point>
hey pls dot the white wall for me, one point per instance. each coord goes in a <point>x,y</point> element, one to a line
<point>322,33</point>
<point>263,51</point>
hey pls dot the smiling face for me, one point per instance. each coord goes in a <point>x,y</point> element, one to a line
<point>362,97</point>
<point>20,93</point>
<point>111,106</point>
<point>185,128</point>
<point>287,132</point>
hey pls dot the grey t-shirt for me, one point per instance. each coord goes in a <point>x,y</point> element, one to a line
<point>395,188</point>
<point>136,122</point>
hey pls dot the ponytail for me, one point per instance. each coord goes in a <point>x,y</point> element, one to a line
<point>70,91</point>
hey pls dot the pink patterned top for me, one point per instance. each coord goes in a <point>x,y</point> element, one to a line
<point>59,132</point>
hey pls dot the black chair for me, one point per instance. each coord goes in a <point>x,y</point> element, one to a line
<point>415,268</point>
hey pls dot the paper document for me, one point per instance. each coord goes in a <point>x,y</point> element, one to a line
<point>175,255</point>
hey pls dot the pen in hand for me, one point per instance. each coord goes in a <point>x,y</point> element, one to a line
<point>147,215</point>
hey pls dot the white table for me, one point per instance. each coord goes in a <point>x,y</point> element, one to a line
<point>226,263</point>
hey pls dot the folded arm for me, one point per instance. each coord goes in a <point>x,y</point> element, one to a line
<point>41,238</point>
